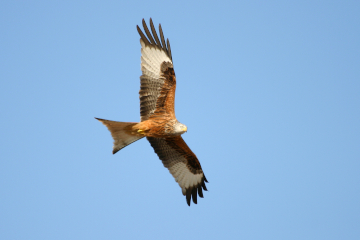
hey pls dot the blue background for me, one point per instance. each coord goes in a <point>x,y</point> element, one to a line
<point>269,90</point>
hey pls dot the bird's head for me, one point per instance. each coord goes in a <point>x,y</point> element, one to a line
<point>180,128</point>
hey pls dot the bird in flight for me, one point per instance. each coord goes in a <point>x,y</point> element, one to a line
<point>158,122</point>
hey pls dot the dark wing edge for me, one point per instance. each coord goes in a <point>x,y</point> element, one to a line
<point>153,39</point>
<point>183,164</point>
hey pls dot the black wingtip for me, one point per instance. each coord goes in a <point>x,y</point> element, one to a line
<point>205,179</point>
<point>153,39</point>
<point>169,48</point>
<point>162,38</point>
<point>142,35</point>
<point>156,38</point>
<point>194,195</point>
<point>148,32</point>
<point>200,192</point>
<point>188,196</point>
<point>203,186</point>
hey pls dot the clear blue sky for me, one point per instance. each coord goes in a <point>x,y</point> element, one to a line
<point>269,90</point>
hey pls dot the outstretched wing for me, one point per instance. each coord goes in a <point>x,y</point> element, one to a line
<point>182,164</point>
<point>158,81</point>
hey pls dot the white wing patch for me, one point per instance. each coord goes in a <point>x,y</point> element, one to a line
<point>151,60</point>
<point>184,177</point>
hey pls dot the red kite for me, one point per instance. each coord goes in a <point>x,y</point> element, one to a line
<point>158,122</point>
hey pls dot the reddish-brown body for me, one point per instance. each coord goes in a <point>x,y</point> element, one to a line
<point>155,128</point>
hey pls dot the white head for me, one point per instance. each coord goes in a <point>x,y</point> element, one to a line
<point>179,128</point>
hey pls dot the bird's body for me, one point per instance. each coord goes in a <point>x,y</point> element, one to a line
<point>160,128</point>
<point>158,122</point>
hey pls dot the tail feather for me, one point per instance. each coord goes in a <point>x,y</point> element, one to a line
<point>121,132</point>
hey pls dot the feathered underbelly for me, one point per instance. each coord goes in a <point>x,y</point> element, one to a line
<point>156,128</point>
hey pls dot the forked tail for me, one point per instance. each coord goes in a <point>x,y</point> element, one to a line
<point>121,132</point>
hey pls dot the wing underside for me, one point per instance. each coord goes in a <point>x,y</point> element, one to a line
<point>154,54</point>
<point>183,164</point>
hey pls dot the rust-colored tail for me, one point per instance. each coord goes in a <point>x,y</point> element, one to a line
<point>122,133</point>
